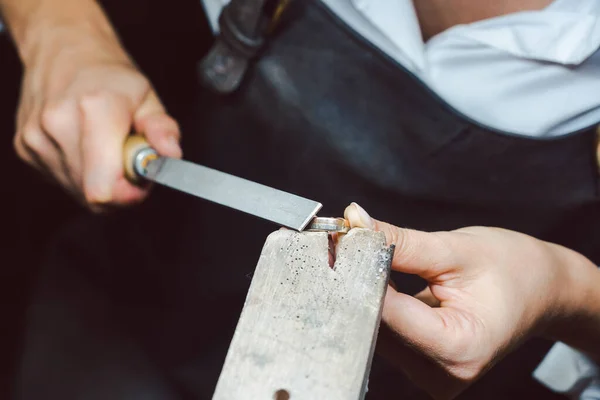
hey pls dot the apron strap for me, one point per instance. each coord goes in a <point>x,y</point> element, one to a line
<point>243,25</point>
<point>598,147</point>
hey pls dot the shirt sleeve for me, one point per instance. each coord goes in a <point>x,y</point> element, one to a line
<point>569,372</point>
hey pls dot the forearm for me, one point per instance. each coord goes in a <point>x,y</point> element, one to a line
<point>33,22</point>
<point>579,326</point>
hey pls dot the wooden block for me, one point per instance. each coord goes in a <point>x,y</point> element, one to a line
<point>308,331</point>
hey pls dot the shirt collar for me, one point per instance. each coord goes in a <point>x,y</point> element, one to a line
<point>566,32</point>
<point>397,21</point>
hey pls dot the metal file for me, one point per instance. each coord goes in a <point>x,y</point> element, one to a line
<point>283,208</point>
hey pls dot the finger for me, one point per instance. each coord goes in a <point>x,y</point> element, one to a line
<point>430,344</point>
<point>106,121</point>
<point>428,255</point>
<point>428,298</point>
<point>61,123</point>
<point>161,131</point>
<point>414,321</point>
<point>34,146</point>
<point>25,154</point>
<point>26,106</point>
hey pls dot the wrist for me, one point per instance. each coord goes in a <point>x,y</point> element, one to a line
<point>41,27</point>
<point>575,316</point>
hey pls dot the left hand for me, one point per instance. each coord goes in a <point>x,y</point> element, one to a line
<point>489,290</point>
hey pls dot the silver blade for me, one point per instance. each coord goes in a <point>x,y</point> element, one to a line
<point>283,208</point>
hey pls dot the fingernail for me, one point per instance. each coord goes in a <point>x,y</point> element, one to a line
<point>172,147</point>
<point>360,218</point>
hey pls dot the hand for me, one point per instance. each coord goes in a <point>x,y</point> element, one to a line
<point>489,289</point>
<point>81,96</point>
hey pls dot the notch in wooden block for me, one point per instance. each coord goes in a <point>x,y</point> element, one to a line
<point>308,331</point>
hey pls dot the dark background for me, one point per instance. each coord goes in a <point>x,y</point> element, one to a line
<point>164,37</point>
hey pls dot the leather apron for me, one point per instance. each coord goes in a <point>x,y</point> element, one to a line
<point>323,114</point>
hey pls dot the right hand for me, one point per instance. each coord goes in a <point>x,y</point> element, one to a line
<point>81,96</point>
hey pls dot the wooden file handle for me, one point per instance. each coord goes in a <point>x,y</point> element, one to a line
<point>137,152</point>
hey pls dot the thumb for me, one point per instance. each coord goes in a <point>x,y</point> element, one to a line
<point>428,255</point>
<point>161,131</point>
<point>426,334</point>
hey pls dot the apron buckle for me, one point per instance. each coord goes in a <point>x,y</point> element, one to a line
<point>243,26</point>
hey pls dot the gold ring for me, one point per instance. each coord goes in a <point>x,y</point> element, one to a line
<point>322,224</point>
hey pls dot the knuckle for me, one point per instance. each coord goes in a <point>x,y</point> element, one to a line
<point>458,347</point>
<point>465,372</point>
<point>137,87</point>
<point>466,354</point>
<point>405,242</point>
<point>19,147</point>
<point>456,365</point>
<point>56,119</point>
<point>398,239</point>
<point>32,138</point>
<point>140,81</point>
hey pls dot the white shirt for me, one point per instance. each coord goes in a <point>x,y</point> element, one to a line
<point>533,73</point>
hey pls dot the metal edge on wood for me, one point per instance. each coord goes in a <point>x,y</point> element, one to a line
<point>308,331</point>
